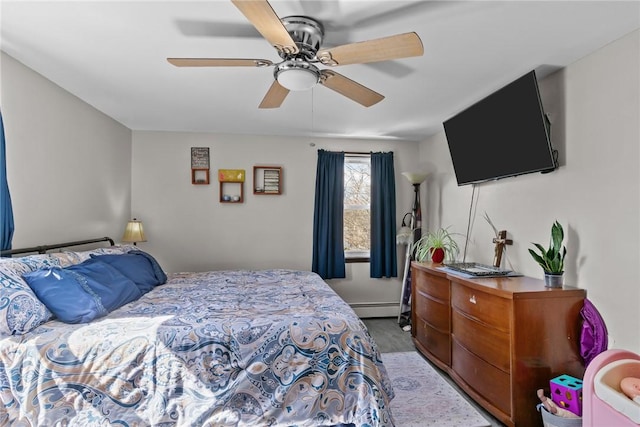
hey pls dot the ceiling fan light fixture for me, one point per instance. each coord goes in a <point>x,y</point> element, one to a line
<point>297,79</point>
<point>297,75</point>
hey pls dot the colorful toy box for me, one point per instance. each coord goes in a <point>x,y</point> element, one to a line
<point>566,392</point>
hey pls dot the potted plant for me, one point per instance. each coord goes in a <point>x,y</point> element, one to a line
<point>552,259</point>
<point>436,245</point>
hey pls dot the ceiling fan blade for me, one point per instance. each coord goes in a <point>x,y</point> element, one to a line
<point>219,62</point>
<point>352,90</point>
<point>274,97</point>
<point>264,18</point>
<point>383,49</point>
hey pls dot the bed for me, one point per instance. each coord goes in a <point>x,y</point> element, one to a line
<point>218,348</point>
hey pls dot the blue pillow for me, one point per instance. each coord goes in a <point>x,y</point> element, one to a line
<point>138,266</point>
<point>82,292</point>
<point>114,288</point>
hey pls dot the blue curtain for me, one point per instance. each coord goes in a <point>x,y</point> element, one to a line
<point>328,240</point>
<point>383,257</point>
<point>6,211</point>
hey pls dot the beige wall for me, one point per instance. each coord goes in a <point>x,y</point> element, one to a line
<point>68,165</point>
<point>189,229</point>
<point>595,111</point>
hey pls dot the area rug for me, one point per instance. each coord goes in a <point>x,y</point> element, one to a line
<point>424,398</point>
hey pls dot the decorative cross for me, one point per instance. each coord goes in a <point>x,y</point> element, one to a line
<point>500,242</point>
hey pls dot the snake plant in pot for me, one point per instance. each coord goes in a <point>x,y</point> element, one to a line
<point>552,259</point>
<point>437,245</point>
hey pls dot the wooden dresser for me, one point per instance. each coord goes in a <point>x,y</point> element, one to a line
<point>500,339</point>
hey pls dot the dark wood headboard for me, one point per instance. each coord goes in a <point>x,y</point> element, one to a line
<point>44,248</point>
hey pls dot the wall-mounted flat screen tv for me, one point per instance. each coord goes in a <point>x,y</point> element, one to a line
<point>502,135</point>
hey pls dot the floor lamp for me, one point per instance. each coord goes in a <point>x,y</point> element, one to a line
<point>416,233</point>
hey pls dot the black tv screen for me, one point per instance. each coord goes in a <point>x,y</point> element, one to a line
<point>502,135</point>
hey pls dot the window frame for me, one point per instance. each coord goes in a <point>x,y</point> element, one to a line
<point>359,256</point>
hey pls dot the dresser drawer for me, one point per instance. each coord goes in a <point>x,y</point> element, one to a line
<point>435,312</point>
<point>437,342</point>
<point>435,286</point>
<point>489,344</point>
<point>487,308</point>
<point>487,380</point>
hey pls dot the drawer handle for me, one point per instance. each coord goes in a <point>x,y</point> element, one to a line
<point>472,300</point>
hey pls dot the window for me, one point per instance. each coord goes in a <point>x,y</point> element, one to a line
<point>357,207</point>
<point>354,217</point>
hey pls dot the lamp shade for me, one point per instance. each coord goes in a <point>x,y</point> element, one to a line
<point>415,177</point>
<point>404,236</point>
<point>296,74</point>
<point>134,232</point>
<point>297,79</point>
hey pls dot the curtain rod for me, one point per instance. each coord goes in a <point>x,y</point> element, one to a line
<point>360,153</point>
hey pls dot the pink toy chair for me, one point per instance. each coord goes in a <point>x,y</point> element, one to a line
<point>603,404</point>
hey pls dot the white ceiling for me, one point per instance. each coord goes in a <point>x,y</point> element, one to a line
<point>112,54</point>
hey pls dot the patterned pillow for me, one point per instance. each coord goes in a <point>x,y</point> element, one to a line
<point>20,310</point>
<point>68,258</point>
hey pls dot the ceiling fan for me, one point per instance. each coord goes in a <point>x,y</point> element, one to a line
<point>298,40</point>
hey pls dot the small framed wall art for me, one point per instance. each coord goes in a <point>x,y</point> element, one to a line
<point>231,185</point>
<point>200,165</point>
<point>267,180</point>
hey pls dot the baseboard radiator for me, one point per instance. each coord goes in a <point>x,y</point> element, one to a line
<point>375,309</point>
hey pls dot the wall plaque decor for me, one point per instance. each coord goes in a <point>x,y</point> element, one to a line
<point>200,165</point>
<point>231,185</point>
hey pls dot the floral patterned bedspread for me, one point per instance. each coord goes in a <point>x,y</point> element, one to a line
<point>234,348</point>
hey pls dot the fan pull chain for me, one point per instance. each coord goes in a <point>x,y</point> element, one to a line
<point>312,144</point>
